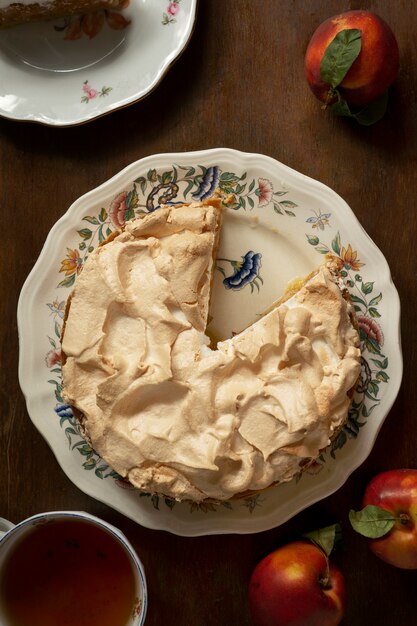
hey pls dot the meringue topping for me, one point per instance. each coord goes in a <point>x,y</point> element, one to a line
<point>170,412</point>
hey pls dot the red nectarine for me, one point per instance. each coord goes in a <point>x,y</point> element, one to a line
<point>373,69</point>
<point>296,585</point>
<point>389,518</point>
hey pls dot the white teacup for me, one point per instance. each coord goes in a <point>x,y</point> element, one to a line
<point>72,537</point>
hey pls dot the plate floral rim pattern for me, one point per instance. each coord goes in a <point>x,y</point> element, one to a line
<point>254,190</point>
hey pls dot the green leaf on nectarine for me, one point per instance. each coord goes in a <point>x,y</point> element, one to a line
<point>373,112</point>
<point>366,116</point>
<point>340,55</point>
<point>325,538</point>
<point>372,521</point>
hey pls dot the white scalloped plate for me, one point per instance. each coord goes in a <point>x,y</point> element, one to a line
<point>288,218</point>
<point>63,72</point>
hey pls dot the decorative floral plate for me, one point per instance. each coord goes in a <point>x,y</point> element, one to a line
<point>280,226</point>
<point>69,71</point>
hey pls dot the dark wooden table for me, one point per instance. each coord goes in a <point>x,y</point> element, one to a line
<point>239,84</point>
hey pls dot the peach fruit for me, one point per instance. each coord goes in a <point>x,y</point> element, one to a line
<point>370,74</point>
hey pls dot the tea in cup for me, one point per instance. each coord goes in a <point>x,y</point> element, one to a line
<point>69,568</point>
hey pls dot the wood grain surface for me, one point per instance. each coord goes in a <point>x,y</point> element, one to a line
<point>239,84</point>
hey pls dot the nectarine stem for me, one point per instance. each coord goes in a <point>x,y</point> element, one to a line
<point>325,580</point>
<point>404,519</point>
<point>329,97</point>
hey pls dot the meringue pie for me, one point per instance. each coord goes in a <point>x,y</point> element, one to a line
<point>175,414</point>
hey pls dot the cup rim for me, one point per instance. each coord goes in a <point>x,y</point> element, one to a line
<point>138,619</point>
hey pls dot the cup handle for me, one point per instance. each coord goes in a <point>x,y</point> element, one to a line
<point>5,526</point>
